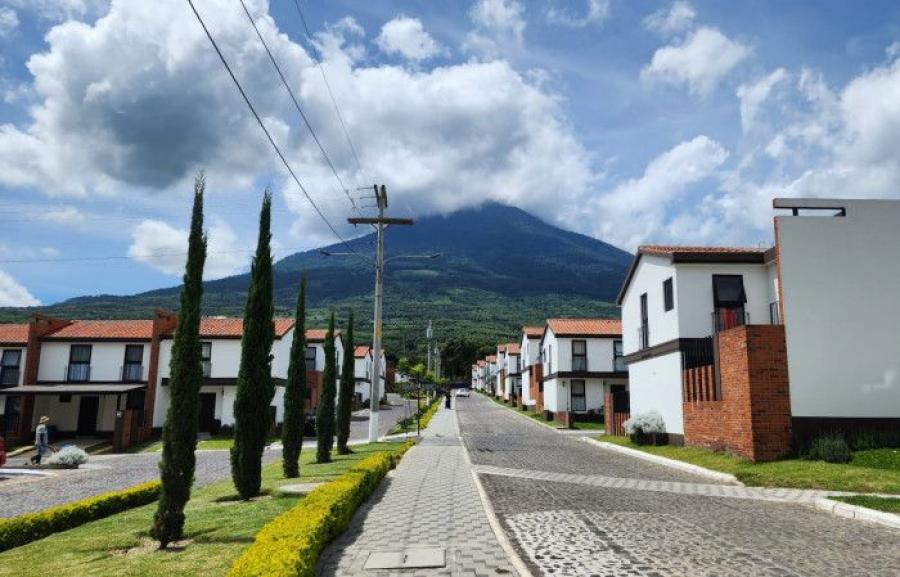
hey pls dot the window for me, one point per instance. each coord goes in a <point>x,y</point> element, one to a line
<point>728,299</point>
<point>133,369</point>
<point>579,402</point>
<point>618,358</point>
<point>668,295</point>
<point>549,357</point>
<point>79,369</point>
<point>9,367</point>
<point>644,334</point>
<point>579,355</point>
<point>206,358</point>
<point>310,358</point>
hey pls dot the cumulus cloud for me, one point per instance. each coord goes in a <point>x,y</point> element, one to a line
<point>61,10</point>
<point>700,62</point>
<point>9,21</point>
<point>678,18</point>
<point>597,11</point>
<point>499,27</point>
<point>13,294</point>
<point>68,215</point>
<point>164,247</point>
<point>753,95</point>
<point>407,37</point>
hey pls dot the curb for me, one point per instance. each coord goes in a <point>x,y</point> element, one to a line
<point>671,463</point>
<point>515,411</point>
<point>858,513</point>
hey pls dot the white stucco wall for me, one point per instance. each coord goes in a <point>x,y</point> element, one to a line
<point>107,360</point>
<point>655,384</point>
<point>556,395</point>
<point>694,296</point>
<point>64,416</point>
<point>839,281</point>
<point>648,278</point>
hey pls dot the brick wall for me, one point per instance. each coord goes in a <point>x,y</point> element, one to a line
<point>536,376</point>
<point>753,417</point>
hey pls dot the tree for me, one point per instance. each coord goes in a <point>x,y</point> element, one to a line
<point>176,467</point>
<point>252,418</point>
<point>325,410</point>
<point>295,391</point>
<point>345,393</point>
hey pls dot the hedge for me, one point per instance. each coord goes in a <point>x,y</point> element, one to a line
<point>17,531</point>
<point>426,416</point>
<point>290,544</point>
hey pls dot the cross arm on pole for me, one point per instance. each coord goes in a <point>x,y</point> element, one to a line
<point>380,220</point>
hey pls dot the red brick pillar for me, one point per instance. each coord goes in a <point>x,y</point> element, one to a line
<point>39,326</point>
<point>164,324</point>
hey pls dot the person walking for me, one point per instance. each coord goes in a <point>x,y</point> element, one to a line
<point>41,441</point>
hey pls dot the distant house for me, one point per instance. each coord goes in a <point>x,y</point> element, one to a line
<point>581,361</point>
<point>490,372</point>
<point>363,366</point>
<point>500,373</point>
<point>512,362</point>
<point>757,350</point>
<point>530,360</point>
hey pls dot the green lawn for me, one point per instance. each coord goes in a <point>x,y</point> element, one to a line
<point>588,426</point>
<point>862,475</point>
<point>584,426</point>
<point>879,503</point>
<point>211,443</point>
<point>218,526</point>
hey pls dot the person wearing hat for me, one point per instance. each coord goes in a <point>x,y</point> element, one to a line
<point>41,440</point>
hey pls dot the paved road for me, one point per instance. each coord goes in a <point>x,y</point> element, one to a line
<point>111,472</point>
<point>574,509</point>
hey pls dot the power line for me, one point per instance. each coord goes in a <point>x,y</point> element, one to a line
<point>318,60</point>
<point>266,130</point>
<point>297,104</point>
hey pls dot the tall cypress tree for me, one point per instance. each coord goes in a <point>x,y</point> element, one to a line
<point>295,391</point>
<point>325,411</point>
<point>176,467</point>
<point>255,390</point>
<point>345,392</point>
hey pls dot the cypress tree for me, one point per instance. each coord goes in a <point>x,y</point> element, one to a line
<point>325,411</point>
<point>295,391</point>
<point>255,390</point>
<point>176,467</point>
<point>345,392</point>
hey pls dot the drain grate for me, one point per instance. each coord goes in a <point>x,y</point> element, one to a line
<point>413,558</point>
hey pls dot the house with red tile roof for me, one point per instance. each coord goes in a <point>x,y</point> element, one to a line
<point>529,359</point>
<point>362,355</point>
<point>580,363</point>
<point>759,350</point>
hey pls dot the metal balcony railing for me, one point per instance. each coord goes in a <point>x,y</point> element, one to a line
<point>9,377</point>
<point>643,336</point>
<point>724,319</point>
<point>579,364</point>
<point>132,373</point>
<point>78,373</point>
<point>619,365</point>
<point>207,368</point>
<point>775,313</point>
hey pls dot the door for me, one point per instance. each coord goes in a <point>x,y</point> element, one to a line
<point>87,415</point>
<point>207,412</point>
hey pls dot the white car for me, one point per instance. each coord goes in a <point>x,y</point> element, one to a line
<point>462,392</point>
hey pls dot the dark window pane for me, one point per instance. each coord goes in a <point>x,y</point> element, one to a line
<point>206,351</point>
<point>728,291</point>
<point>668,295</point>
<point>80,353</point>
<point>134,353</point>
<point>11,358</point>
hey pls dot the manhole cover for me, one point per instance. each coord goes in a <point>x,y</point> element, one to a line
<point>414,558</point>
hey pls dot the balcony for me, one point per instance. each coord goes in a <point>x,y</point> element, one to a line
<point>78,373</point>
<point>775,313</point>
<point>207,368</point>
<point>579,364</point>
<point>132,373</point>
<point>724,319</point>
<point>643,336</point>
<point>619,365</point>
<point>9,377</point>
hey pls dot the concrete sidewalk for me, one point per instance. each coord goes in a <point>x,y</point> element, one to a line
<point>428,506</point>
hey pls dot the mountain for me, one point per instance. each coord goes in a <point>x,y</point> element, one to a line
<point>499,268</point>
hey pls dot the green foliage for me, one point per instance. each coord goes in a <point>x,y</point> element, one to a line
<point>872,502</point>
<point>255,390</point>
<point>289,546</point>
<point>887,459</point>
<point>179,436</point>
<point>459,352</point>
<point>830,448</point>
<point>345,392</point>
<point>295,392</point>
<point>865,440</point>
<point>23,529</point>
<point>325,410</point>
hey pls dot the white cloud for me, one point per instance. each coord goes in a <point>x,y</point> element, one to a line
<point>753,95</point>
<point>597,12</point>
<point>499,27</point>
<point>701,61</point>
<point>9,21</point>
<point>62,10</point>
<point>407,37</point>
<point>678,18</point>
<point>164,247</point>
<point>12,294</point>
<point>636,210</point>
<point>68,215</point>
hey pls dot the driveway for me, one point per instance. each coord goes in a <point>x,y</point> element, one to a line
<point>574,509</point>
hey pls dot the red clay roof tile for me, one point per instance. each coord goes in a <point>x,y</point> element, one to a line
<point>586,327</point>
<point>105,329</point>
<point>14,334</point>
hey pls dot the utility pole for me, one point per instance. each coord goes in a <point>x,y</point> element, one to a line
<point>380,223</point>
<point>428,334</point>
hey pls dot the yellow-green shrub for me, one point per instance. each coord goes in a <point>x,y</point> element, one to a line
<point>290,544</point>
<point>17,531</point>
<point>426,416</point>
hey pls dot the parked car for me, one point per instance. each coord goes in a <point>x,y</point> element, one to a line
<point>2,452</point>
<point>462,392</point>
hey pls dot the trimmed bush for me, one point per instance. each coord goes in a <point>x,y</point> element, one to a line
<point>17,531</point>
<point>831,449</point>
<point>69,457</point>
<point>646,428</point>
<point>290,544</point>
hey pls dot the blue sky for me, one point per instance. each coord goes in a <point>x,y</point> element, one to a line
<point>634,122</point>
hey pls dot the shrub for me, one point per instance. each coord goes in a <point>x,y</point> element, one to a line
<point>17,531</point>
<point>69,457</point>
<point>646,427</point>
<point>289,545</point>
<point>831,449</point>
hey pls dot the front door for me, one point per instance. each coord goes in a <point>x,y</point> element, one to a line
<point>87,415</point>
<point>11,412</point>
<point>207,412</point>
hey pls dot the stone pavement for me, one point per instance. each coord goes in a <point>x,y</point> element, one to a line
<point>430,501</point>
<point>574,509</point>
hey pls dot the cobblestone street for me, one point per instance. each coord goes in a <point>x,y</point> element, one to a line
<point>574,509</point>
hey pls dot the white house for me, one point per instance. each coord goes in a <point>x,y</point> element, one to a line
<point>363,366</point>
<point>580,360</point>
<point>530,357</point>
<point>13,352</point>
<point>491,375</point>
<point>512,376</point>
